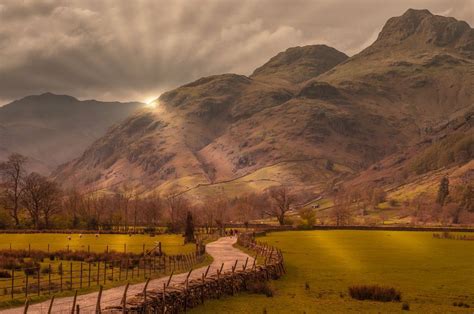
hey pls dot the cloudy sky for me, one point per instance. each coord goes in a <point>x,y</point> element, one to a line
<point>135,50</point>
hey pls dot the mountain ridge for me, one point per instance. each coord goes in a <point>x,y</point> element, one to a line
<point>51,129</point>
<point>225,127</point>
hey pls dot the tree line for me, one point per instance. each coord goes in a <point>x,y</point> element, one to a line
<point>30,200</point>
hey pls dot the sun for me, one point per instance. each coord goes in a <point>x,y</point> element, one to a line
<point>151,102</point>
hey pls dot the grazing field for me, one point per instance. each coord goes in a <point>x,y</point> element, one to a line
<point>171,243</point>
<point>64,276</point>
<point>432,274</point>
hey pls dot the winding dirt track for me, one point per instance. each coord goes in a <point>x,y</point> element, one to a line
<point>222,251</point>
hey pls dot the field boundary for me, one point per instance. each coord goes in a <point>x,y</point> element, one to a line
<point>178,298</point>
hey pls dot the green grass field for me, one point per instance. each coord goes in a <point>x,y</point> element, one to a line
<point>171,243</point>
<point>431,273</point>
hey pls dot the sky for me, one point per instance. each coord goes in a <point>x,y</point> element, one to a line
<point>135,50</point>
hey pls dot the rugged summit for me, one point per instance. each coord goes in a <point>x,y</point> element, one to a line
<point>308,105</point>
<point>299,64</point>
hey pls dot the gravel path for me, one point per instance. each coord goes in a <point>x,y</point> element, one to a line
<point>221,250</point>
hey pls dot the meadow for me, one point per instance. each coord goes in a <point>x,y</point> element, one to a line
<point>432,274</point>
<point>64,275</point>
<point>171,243</point>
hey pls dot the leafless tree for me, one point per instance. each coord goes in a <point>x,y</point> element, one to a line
<point>281,201</point>
<point>152,209</point>
<point>177,208</point>
<point>12,173</point>
<point>41,198</point>
<point>341,211</point>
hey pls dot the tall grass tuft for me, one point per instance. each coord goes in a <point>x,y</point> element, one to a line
<point>375,292</point>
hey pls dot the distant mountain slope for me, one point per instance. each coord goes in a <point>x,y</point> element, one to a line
<point>52,129</point>
<point>233,134</point>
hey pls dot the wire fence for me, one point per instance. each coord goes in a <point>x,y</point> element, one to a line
<point>61,276</point>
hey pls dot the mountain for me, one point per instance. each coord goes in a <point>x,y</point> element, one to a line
<point>310,117</point>
<point>52,129</point>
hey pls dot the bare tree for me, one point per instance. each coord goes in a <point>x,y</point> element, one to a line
<point>340,212</point>
<point>12,172</point>
<point>41,198</point>
<point>72,206</point>
<point>51,204</point>
<point>281,200</point>
<point>177,208</point>
<point>151,209</point>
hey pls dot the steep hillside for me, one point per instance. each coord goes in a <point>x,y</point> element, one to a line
<point>52,129</point>
<point>233,134</point>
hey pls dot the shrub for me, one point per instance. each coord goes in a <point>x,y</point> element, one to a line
<point>405,307</point>
<point>375,292</point>
<point>5,274</point>
<point>260,287</point>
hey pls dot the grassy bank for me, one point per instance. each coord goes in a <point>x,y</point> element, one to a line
<point>432,274</point>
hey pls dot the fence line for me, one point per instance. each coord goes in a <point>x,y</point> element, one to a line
<point>190,293</point>
<point>79,274</point>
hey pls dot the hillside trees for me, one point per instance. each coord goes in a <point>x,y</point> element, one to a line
<point>341,210</point>
<point>177,209</point>
<point>281,201</point>
<point>443,191</point>
<point>41,199</point>
<point>12,173</point>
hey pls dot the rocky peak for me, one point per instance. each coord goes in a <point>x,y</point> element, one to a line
<point>427,29</point>
<point>298,64</point>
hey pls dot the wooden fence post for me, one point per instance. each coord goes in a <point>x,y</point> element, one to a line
<point>98,272</point>
<point>169,279</point>
<point>70,276</point>
<point>235,265</point>
<point>50,309</point>
<point>124,299</point>
<point>126,269</point>
<point>80,282</point>
<point>78,309</point>
<point>144,293</point>
<point>13,281</point>
<point>61,277</point>
<point>49,279</point>
<point>27,305</point>
<point>97,306</point>
<point>105,272</point>
<point>74,303</point>
<point>38,281</point>
<point>26,286</point>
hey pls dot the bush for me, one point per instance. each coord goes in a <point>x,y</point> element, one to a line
<point>375,292</point>
<point>405,307</point>
<point>260,287</point>
<point>5,274</point>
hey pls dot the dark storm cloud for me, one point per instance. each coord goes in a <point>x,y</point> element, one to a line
<point>125,50</point>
